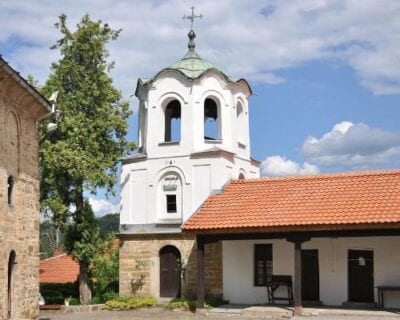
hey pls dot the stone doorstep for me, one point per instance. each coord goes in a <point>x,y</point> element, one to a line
<point>288,311</point>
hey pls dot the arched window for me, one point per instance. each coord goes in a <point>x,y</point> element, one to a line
<point>10,286</point>
<point>241,176</point>
<point>10,189</point>
<point>173,121</point>
<point>241,125</point>
<point>212,120</point>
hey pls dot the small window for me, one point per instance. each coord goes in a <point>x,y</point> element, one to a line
<point>10,187</point>
<point>171,203</point>
<point>262,264</point>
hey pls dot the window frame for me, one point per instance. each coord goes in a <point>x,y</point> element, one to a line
<point>267,258</point>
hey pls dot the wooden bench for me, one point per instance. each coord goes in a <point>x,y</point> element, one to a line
<point>276,282</point>
<point>381,291</point>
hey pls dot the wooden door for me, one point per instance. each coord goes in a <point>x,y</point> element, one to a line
<point>309,275</point>
<point>361,275</point>
<point>170,276</point>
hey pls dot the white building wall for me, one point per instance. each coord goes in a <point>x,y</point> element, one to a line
<point>200,177</point>
<point>201,172</point>
<point>238,267</point>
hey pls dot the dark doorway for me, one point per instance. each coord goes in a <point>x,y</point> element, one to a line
<point>170,275</point>
<point>361,275</point>
<point>309,275</point>
<point>10,280</point>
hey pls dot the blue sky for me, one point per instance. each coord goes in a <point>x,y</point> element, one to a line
<point>326,74</point>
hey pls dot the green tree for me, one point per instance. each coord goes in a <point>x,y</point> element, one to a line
<point>109,224</point>
<point>82,155</point>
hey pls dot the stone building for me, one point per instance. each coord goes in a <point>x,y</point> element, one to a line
<point>21,106</point>
<point>193,139</point>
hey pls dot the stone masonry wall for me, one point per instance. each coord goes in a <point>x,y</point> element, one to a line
<point>139,259</point>
<point>19,222</point>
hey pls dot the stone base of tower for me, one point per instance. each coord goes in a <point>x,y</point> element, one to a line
<point>140,272</point>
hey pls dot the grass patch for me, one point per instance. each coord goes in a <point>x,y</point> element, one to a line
<point>130,302</point>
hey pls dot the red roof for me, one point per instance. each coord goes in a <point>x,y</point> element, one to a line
<point>320,202</point>
<point>59,269</point>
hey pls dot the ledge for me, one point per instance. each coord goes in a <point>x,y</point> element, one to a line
<point>169,143</point>
<point>211,141</point>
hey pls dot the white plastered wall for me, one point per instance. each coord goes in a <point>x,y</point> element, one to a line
<point>238,267</point>
<point>200,175</point>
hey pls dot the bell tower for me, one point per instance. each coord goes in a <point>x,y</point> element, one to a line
<point>193,138</point>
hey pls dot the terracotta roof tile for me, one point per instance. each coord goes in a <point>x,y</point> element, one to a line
<point>59,269</point>
<point>356,198</point>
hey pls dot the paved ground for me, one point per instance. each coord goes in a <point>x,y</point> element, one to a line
<point>258,314</point>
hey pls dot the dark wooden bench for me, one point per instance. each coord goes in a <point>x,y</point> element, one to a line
<point>381,291</point>
<point>276,282</point>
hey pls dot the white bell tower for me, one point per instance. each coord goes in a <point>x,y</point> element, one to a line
<point>193,139</point>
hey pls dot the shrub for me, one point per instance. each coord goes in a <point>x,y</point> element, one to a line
<point>130,302</point>
<point>191,304</point>
<point>74,301</point>
<point>213,301</point>
<point>110,295</point>
<point>96,300</point>
<point>183,304</point>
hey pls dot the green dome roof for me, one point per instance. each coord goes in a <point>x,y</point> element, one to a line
<point>192,65</point>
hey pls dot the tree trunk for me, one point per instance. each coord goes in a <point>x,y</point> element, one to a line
<point>85,294</point>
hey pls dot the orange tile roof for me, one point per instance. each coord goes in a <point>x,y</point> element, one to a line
<point>59,269</point>
<point>320,202</point>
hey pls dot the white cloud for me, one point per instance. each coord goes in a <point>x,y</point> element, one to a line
<point>349,144</point>
<point>252,39</point>
<point>102,207</point>
<point>281,166</point>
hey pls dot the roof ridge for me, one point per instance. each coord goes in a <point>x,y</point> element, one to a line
<point>53,257</point>
<point>342,174</point>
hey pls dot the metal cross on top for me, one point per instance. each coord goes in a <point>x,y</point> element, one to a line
<point>192,17</point>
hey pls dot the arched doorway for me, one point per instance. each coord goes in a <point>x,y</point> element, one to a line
<point>170,275</point>
<point>10,304</point>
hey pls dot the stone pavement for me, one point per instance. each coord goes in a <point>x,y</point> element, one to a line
<point>229,312</point>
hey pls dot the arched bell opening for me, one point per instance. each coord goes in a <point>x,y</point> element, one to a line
<point>212,120</point>
<point>173,122</point>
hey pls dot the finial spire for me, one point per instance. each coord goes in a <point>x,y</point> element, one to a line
<point>191,34</point>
